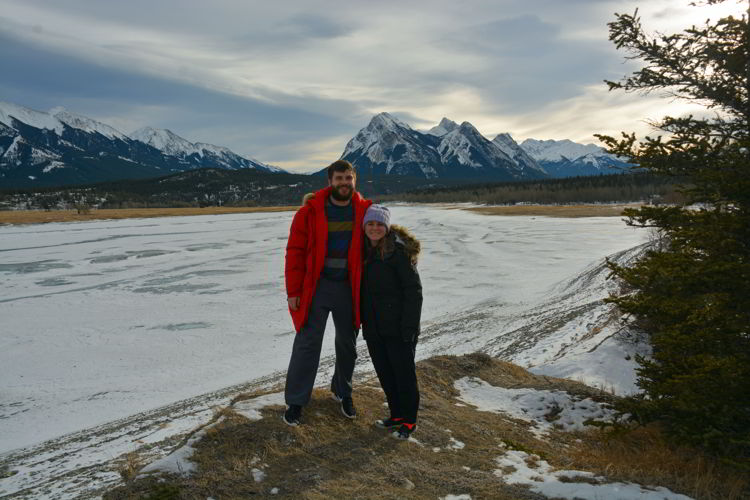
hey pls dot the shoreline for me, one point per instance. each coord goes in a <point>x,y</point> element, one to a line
<point>567,211</point>
<point>18,217</point>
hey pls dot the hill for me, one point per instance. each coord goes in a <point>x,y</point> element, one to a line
<point>488,429</point>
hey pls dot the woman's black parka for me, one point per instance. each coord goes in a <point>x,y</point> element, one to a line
<point>391,291</point>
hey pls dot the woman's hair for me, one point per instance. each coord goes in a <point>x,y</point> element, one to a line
<point>383,247</point>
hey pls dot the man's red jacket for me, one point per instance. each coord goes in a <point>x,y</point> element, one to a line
<point>306,253</point>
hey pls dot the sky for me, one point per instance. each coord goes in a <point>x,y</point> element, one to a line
<point>289,83</point>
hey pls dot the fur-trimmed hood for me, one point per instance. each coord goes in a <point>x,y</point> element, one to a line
<point>411,244</point>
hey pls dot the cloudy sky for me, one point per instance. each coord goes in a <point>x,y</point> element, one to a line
<point>290,82</point>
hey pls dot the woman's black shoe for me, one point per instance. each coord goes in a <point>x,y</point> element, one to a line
<point>389,423</point>
<point>405,431</point>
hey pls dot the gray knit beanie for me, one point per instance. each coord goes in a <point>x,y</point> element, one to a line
<point>378,213</point>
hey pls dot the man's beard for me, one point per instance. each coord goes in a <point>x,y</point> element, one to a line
<point>342,197</point>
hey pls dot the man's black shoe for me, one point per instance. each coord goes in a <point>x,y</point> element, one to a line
<point>347,407</point>
<point>292,415</point>
<point>389,423</point>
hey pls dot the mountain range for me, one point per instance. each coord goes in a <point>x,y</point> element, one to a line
<point>39,149</point>
<point>449,150</point>
<point>63,148</point>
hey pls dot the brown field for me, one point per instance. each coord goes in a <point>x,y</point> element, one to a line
<point>554,210</point>
<point>41,216</point>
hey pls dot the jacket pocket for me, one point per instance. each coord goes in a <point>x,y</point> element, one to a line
<point>389,318</point>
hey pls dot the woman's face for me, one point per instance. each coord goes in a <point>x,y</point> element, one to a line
<point>375,231</point>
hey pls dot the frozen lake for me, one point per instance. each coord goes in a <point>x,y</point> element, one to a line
<point>105,319</point>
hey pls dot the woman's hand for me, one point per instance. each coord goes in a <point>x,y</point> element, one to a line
<point>293,303</point>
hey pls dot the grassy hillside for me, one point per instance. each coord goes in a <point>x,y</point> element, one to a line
<point>456,450</point>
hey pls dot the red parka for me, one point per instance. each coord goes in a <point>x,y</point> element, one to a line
<point>306,253</point>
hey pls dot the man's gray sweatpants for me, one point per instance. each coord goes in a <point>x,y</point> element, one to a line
<point>334,297</point>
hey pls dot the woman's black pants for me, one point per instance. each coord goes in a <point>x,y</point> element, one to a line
<point>394,364</point>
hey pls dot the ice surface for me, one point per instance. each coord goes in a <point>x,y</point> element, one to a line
<point>105,321</point>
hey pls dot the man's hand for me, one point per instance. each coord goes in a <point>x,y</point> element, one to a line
<point>293,303</point>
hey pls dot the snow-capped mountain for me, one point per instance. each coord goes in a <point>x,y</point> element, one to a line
<point>516,153</point>
<point>85,124</point>
<point>198,154</point>
<point>388,146</point>
<point>567,158</point>
<point>443,127</point>
<point>60,147</point>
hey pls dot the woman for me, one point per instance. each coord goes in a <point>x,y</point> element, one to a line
<point>391,306</point>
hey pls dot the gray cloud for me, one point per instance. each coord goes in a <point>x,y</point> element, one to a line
<point>41,79</point>
<point>290,82</point>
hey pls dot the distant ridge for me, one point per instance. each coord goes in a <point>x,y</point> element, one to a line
<point>59,147</point>
<point>566,158</point>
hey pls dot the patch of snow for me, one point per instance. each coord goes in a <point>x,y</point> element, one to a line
<point>258,475</point>
<point>178,462</point>
<point>53,165</point>
<point>464,496</point>
<point>533,405</point>
<point>542,479</point>
<point>455,444</point>
<point>250,408</point>
<point>40,156</point>
<point>13,149</point>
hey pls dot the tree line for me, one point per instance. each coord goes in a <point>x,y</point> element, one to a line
<point>626,187</point>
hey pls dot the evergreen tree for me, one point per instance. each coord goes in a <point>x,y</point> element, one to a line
<point>691,293</point>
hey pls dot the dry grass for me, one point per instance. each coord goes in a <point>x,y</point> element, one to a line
<point>332,457</point>
<point>129,465</point>
<point>554,210</point>
<point>643,455</point>
<point>41,216</point>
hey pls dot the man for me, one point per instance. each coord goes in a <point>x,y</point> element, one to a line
<point>323,272</point>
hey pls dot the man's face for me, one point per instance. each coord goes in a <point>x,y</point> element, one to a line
<point>343,185</point>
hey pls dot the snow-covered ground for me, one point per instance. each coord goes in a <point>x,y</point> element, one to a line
<point>104,320</point>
